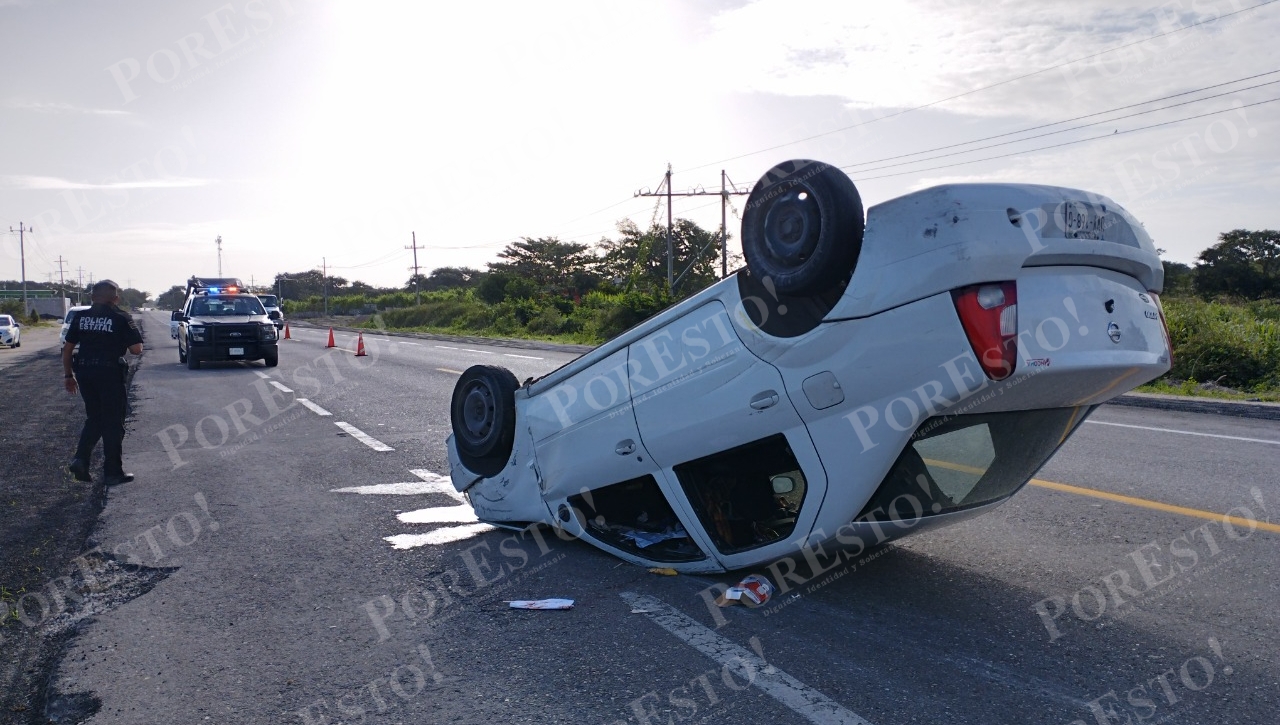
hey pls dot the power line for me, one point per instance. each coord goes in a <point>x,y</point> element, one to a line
<point>664,189</point>
<point>1068,143</point>
<point>1043,135</point>
<point>986,87</point>
<point>1088,115</point>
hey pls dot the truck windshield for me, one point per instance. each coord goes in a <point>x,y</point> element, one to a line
<point>226,306</point>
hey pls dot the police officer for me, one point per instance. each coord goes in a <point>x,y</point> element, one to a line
<point>104,332</point>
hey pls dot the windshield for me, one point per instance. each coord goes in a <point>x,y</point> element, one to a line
<point>226,306</point>
<point>6,321</point>
<point>269,300</point>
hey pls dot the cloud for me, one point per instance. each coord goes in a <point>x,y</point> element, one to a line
<point>60,108</point>
<point>46,183</point>
<point>919,52</point>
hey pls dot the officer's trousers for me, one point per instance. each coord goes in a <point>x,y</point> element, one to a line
<point>103,390</point>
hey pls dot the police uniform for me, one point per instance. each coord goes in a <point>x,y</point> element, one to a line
<point>104,333</point>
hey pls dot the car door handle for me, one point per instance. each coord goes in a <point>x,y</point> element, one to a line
<point>767,399</point>
<point>625,448</point>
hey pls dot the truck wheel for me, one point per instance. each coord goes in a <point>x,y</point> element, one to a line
<point>271,359</point>
<point>193,363</point>
<point>182,356</point>
<point>483,413</point>
<point>802,229</point>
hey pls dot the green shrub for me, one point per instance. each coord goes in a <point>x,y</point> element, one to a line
<point>1234,345</point>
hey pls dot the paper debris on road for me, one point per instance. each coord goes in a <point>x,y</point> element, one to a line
<point>541,604</point>
<point>664,571</point>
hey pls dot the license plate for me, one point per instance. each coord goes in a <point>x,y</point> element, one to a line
<point>237,351</point>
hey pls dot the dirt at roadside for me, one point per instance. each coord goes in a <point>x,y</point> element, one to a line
<point>45,520</point>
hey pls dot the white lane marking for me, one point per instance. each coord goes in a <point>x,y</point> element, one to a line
<point>261,374</point>
<point>526,357</point>
<point>444,482</point>
<point>406,488</point>
<point>313,407</point>
<point>481,352</point>
<point>802,699</point>
<point>443,347</point>
<point>363,437</point>
<point>446,535</point>
<point>463,514</point>
<point>1186,432</point>
<point>281,387</point>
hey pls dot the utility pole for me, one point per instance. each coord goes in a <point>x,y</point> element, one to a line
<point>22,253</point>
<point>727,189</point>
<point>80,289</point>
<point>218,241</point>
<point>417,296</point>
<point>324,277</point>
<point>62,280</point>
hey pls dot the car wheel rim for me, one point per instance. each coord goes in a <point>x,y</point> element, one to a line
<point>793,225</point>
<point>478,412</point>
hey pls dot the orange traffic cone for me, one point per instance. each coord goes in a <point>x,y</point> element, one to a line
<point>286,331</point>
<point>360,346</point>
<point>331,338</point>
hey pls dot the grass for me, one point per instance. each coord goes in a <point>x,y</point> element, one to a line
<point>1190,388</point>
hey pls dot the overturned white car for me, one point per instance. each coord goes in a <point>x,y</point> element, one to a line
<point>846,388</point>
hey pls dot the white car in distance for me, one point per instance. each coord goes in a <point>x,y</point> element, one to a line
<point>855,383</point>
<point>10,331</point>
<point>66,321</point>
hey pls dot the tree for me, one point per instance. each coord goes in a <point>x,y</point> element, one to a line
<point>638,260</point>
<point>172,298</point>
<point>443,278</point>
<point>130,297</point>
<point>1242,263</point>
<point>564,269</point>
<point>311,283</point>
<point>1179,278</point>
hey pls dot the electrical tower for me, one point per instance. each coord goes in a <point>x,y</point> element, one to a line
<point>727,189</point>
<point>218,241</point>
<point>417,297</point>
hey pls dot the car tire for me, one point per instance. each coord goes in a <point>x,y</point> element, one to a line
<point>483,413</point>
<point>272,359</point>
<point>193,362</point>
<point>182,356</point>
<point>802,228</point>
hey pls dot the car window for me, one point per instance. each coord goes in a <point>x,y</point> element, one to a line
<point>958,462</point>
<point>6,321</point>
<point>268,300</point>
<point>748,496</point>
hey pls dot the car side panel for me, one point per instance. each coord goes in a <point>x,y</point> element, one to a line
<point>579,427</point>
<point>697,391</point>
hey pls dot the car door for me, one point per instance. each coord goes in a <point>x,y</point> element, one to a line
<point>718,423</point>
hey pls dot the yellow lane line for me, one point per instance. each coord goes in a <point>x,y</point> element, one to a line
<point>447,370</point>
<point>1155,505</point>
<point>1119,498</point>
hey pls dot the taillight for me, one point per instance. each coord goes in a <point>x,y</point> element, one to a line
<point>1168,340</point>
<point>989,313</point>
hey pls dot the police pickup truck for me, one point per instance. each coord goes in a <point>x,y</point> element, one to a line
<point>224,323</point>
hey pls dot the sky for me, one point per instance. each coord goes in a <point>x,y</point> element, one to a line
<point>310,132</point>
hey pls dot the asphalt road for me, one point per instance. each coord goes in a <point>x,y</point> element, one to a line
<point>283,601</point>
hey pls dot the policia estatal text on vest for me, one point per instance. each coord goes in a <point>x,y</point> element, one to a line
<point>105,333</point>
